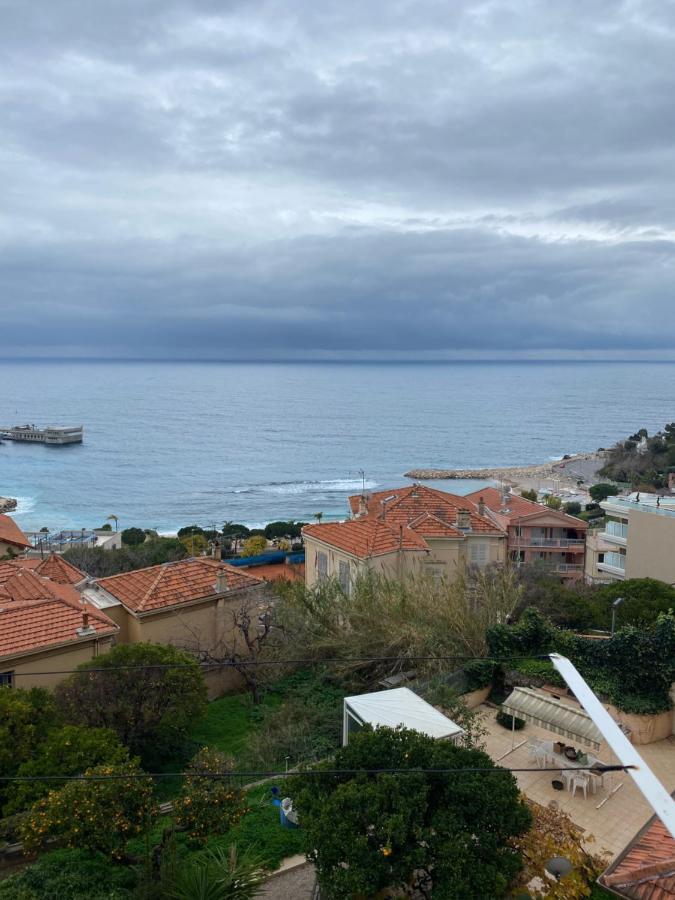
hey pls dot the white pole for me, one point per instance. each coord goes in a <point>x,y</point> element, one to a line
<point>653,791</point>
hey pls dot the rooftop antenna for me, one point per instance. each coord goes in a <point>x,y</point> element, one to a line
<point>363,482</point>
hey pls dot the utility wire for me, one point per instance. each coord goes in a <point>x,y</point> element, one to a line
<point>229,664</point>
<point>304,773</point>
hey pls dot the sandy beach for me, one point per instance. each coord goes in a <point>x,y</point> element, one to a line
<point>573,474</point>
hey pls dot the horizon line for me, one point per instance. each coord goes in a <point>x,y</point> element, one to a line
<point>326,361</point>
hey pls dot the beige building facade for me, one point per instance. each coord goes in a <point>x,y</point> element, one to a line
<point>191,604</point>
<point>641,540</point>
<point>405,531</point>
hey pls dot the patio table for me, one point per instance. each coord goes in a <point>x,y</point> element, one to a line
<point>567,763</point>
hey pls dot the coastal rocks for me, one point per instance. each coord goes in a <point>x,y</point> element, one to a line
<point>513,474</point>
<point>7,504</point>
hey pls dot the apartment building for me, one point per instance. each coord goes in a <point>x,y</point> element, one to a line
<point>536,533</point>
<point>640,530</point>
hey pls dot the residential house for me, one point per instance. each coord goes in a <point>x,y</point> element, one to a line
<point>536,533</point>
<point>645,869</point>
<point>54,567</point>
<point>641,532</point>
<point>12,539</point>
<point>404,530</point>
<point>46,626</point>
<point>189,603</point>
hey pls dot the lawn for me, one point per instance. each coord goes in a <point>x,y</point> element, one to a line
<point>229,722</point>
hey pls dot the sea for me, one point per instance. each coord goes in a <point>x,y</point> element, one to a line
<point>169,444</point>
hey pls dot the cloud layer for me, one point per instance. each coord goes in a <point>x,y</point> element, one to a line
<point>194,178</point>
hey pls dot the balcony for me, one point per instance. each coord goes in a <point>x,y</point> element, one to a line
<point>615,533</point>
<point>565,543</point>
<point>613,564</point>
<point>568,568</point>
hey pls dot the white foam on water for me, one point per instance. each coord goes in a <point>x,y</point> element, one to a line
<point>334,485</point>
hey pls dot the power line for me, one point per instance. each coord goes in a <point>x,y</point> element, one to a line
<point>305,773</point>
<point>225,664</point>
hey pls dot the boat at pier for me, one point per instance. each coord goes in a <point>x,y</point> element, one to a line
<point>50,434</point>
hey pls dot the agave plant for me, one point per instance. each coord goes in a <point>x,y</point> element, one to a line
<point>219,874</point>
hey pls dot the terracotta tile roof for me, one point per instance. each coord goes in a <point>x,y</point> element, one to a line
<point>169,584</point>
<point>519,507</point>
<point>53,567</point>
<point>432,526</point>
<point>277,571</point>
<point>36,613</point>
<point>645,870</point>
<point>10,533</point>
<point>366,537</point>
<point>404,505</point>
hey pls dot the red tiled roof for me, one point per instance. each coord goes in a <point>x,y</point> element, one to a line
<point>366,537</point>
<point>404,505</point>
<point>646,868</point>
<point>518,507</point>
<point>169,584</point>
<point>53,567</point>
<point>36,613</point>
<point>10,533</point>
<point>432,526</point>
<point>277,571</point>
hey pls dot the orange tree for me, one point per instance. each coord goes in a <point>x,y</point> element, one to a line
<point>413,832</point>
<point>208,804</point>
<point>94,814</point>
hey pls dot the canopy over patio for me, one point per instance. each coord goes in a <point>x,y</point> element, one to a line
<point>399,706</point>
<point>553,715</point>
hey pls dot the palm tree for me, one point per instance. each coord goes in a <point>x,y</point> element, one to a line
<point>318,516</point>
<point>112,518</point>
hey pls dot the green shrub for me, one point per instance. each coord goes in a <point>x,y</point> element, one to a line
<point>508,721</point>
<point>132,537</point>
<point>540,670</point>
<point>70,875</point>
<point>478,674</point>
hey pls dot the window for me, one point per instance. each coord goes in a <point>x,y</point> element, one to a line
<point>322,564</point>
<point>344,575</point>
<point>601,557</point>
<point>478,553</point>
<point>6,679</point>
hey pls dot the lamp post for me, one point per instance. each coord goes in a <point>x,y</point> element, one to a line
<point>617,603</point>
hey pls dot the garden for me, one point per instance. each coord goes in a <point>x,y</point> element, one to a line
<point>179,835</point>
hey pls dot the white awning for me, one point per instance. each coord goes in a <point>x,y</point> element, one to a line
<point>400,706</point>
<point>553,715</point>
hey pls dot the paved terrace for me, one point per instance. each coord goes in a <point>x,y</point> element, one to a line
<point>617,820</point>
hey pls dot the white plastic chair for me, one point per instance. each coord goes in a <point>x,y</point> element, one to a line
<point>579,780</point>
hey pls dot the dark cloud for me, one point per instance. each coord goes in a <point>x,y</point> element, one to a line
<point>211,179</point>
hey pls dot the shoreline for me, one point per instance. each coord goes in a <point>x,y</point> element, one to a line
<point>571,472</point>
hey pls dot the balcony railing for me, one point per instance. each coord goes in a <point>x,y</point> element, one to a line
<point>568,567</point>
<point>552,542</point>
<point>616,560</point>
<point>616,529</point>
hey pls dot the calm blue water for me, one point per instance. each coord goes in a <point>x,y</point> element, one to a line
<point>168,444</point>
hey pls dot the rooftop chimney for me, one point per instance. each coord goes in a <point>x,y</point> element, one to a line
<point>217,553</point>
<point>481,506</point>
<point>363,505</point>
<point>221,582</point>
<point>85,629</point>
<point>464,520</point>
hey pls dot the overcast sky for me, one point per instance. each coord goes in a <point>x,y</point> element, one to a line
<point>242,178</point>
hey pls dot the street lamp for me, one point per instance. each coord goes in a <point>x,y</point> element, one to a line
<point>617,603</point>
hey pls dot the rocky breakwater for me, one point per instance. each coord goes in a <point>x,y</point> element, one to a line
<point>7,504</point>
<point>570,469</point>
